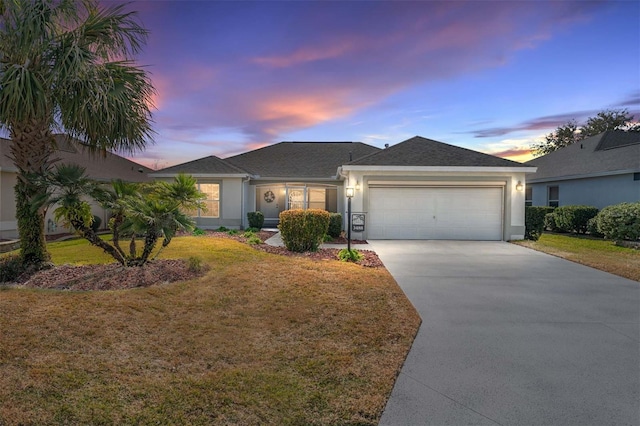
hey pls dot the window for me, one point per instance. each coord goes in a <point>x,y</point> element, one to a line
<point>317,198</point>
<point>553,196</point>
<point>528,196</point>
<point>636,176</point>
<point>212,202</point>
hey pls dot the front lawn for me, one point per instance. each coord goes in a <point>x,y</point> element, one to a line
<point>597,253</point>
<point>260,339</point>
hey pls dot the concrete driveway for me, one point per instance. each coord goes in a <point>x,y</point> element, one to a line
<point>511,336</point>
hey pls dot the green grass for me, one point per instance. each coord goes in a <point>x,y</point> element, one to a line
<point>260,339</point>
<point>597,253</point>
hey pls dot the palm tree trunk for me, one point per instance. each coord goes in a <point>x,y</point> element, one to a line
<point>31,149</point>
<point>90,235</point>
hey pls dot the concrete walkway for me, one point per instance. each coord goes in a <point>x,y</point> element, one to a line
<point>276,241</point>
<point>511,336</point>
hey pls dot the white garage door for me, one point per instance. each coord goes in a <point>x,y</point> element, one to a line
<point>453,213</point>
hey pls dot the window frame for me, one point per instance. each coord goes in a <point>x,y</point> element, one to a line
<point>528,196</point>
<point>200,212</point>
<point>553,202</point>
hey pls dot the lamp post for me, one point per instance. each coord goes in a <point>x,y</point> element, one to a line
<point>350,193</point>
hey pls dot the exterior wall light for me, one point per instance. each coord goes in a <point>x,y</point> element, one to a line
<point>519,186</point>
<point>357,186</point>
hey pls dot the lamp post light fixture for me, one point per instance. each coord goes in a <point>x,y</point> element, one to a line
<point>350,193</point>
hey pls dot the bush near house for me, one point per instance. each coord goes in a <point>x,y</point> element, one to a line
<point>534,220</point>
<point>256,219</point>
<point>573,218</point>
<point>303,230</point>
<point>335,225</point>
<point>550,223</point>
<point>620,221</point>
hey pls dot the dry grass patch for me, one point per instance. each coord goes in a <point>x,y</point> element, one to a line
<point>596,253</point>
<point>260,339</point>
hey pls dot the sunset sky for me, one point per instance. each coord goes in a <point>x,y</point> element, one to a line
<point>492,76</point>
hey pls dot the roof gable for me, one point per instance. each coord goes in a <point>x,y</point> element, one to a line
<point>300,159</point>
<point>207,165</point>
<point>419,151</point>
<point>609,152</point>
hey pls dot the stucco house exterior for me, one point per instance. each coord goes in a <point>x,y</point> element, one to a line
<point>598,171</point>
<point>103,168</point>
<point>416,189</point>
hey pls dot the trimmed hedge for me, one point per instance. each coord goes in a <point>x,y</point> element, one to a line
<point>256,220</point>
<point>534,221</point>
<point>303,230</point>
<point>620,221</point>
<point>573,218</point>
<point>335,225</point>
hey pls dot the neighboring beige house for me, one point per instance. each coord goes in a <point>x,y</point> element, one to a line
<point>416,189</point>
<point>102,168</point>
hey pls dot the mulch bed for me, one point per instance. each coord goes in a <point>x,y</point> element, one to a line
<point>116,277</point>
<point>112,276</point>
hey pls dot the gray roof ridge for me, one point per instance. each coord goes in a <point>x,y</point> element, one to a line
<point>215,157</point>
<point>608,134</point>
<point>418,137</point>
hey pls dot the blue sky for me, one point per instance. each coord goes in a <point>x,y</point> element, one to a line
<point>493,76</point>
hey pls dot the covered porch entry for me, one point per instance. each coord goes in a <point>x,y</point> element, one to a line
<point>271,199</point>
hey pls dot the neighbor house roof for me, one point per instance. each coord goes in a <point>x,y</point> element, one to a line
<point>207,165</point>
<point>300,159</point>
<point>101,166</point>
<point>419,151</point>
<point>611,152</point>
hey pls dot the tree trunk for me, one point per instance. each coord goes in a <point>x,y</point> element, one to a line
<point>90,235</point>
<point>31,148</point>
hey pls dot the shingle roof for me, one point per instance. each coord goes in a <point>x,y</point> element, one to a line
<point>101,167</point>
<point>419,151</point>
<point>300,159</point>
<point>608,152</point>
<point>208,165</point>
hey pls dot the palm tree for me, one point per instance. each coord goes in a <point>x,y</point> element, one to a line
<point>68,187</point>
<point>66,65</point>
<point>150,211</point>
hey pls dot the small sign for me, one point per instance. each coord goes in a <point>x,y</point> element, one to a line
<point>357,222</point>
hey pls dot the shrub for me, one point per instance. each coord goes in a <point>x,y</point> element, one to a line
<point>253,240</point>
<point>327,238</point>
<point>251,229</point>
<point>550,223</point>
<point>620,221</point>
<point>198,232</point>
<point>303,230</point>
<point>256,219</point>
<point>10,268</point>
<point>249,234</point>
<point>95,225</point>
<point>222,229</point>
<point>335,225</point>
<point>233,232</point>
<point>194,264</point>
<point>573,218</point>
<point>592,227</point>
<point>534,220</point>
<point>352,255</point>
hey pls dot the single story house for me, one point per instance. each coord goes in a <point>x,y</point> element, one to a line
<point>102,168</point>
<point>416,189</point>
<point>598,171</point>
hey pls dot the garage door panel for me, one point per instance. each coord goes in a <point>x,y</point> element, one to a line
<point>464,213</point>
